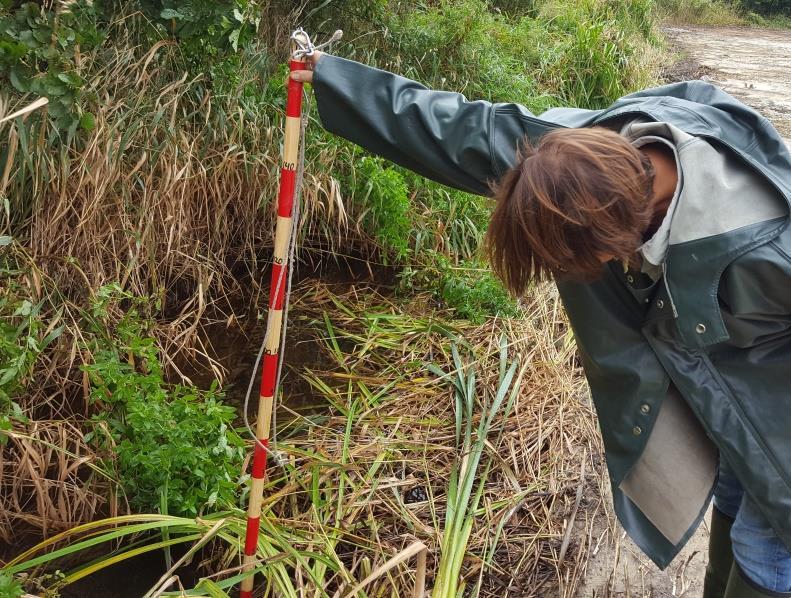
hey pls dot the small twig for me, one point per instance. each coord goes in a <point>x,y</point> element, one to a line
<point>567,536</point>
<point>27,109</point>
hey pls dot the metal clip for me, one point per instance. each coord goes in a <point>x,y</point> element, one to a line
<point>304,47</point>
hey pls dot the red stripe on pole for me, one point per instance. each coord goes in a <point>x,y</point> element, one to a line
<point>269,372</point>
<point>294,101</point>
<point>251,539</point>
<point>285,199</point>
<point>259,458</point>
<point>268,375</point>
<point>278,289</point>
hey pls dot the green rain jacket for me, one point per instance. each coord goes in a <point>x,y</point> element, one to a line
<point>700,360</point>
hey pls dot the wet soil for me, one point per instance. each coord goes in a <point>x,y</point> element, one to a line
<point>132,578</point>
<point>753,65</point>
<point>235,344</point>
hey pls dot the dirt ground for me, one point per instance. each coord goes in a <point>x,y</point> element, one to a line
<point>753,65</point>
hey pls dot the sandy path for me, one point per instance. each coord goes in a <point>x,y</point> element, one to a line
<point>753,65</point>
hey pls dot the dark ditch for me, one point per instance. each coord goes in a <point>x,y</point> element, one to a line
<point>235,348</point>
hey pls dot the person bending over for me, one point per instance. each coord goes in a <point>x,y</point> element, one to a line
<point>663,220</point>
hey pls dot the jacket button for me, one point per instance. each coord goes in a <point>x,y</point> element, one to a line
<point>637,431</point>
<point>700,328</point>
<point>630,278</point>
<point>645,408</point>
<point>660,304</point>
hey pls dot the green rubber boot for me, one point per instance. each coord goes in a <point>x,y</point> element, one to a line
<point>720,556</point>
<point>741,587</point>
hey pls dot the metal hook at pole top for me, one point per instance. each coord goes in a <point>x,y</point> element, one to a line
<point>302,46</point>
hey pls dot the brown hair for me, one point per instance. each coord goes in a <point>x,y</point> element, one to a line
<point>578,198</point>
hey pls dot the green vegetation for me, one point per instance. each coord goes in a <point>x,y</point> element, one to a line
<point>700,12</point>
<point>135,218</point>
<point>763,13</point>
<point>467,482</point>
<point>175,446</point>
<point>9,587</point>
<point>766,7</point>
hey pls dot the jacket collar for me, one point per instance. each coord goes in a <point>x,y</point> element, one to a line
<point>726,208</point>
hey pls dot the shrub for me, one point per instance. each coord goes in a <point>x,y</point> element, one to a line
<point>24,334</point>
<point>38,54</point>
<point>176,450</point>
<point>766,7</point>
<point>205,30</point>
<point>701,12</point>
<point>469,287</point>
<point>381,193</point>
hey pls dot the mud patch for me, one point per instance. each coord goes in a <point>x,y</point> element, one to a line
<point>234,342</point>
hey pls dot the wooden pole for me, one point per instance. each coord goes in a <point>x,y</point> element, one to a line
<point>277,289</point>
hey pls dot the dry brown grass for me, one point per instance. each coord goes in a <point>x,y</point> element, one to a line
<point>383,459</point>
<point>50,481</point>
<point>170,196</point>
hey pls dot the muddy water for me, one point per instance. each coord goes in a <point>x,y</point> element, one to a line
<point>235,347</point>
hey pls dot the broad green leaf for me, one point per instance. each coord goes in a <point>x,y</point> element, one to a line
<point>171,13</point>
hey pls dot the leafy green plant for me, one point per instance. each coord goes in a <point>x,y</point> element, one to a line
<point>39,49</point>
<point>383,192</point>
<point>469,287</point>
<point>465,46</point>
<point>207,28</point>
<point>179,449</point>
<point>176,448</point>
<point>9,587</point>
<point>473,291</point>
<point>467,479</point>
<point>24,334</point>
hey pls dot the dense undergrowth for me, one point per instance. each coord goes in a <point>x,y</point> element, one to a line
<point>136,211</point>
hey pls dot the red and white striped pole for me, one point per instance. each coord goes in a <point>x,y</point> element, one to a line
<point>277,289</point>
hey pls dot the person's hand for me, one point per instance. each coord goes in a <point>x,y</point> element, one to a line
<point>306,76</point>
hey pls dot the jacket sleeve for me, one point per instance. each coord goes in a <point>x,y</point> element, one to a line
<point>438,134</point>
